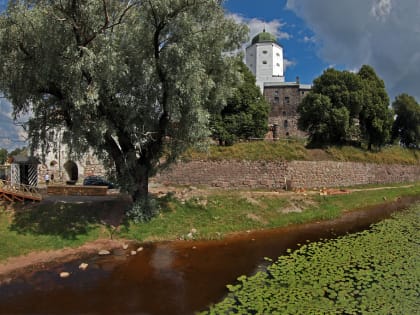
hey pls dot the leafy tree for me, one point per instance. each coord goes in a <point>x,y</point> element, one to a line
<point>18,151</point>
<point>375,117</point>
<point>132,80</point>
<point>324,123</point>
<point>245,114</point>
<point>407,124</point>
<point>353,108</point>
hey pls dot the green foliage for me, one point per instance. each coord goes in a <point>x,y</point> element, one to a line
<point>345,107</point>
<point>375,117</point>
<point>132,80</point>
<point>143,210</point>
<point>372,272</point>
<point>331,123</point>
<point>407,124</point>
<point>246,113</point>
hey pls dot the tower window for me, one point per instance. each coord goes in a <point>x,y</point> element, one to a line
<point>287,100</point>
<point>264,62</point>
<point>265,51</point>
<point>286,124</point>
<point>278,55</point>
<point>276,99</point>
<point>277,64</point>
<point>284,113</point>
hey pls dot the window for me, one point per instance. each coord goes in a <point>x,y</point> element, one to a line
<point>265,51</point>
<point>277,64</point>
<point>286,124</point>
<point>276,99</point>
<point>284,113</point>
<point>276,93</point>
<point>278,54</point>
<point>287,100</point>
<point>264,62</point>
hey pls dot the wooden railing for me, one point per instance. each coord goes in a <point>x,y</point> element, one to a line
<point>20,192</point>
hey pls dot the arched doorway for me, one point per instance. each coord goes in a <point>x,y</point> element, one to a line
<point>72,170</point>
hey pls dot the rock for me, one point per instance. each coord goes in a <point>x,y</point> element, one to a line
<point>193,230</point>
<point>64,274</point>
<point>104,252</point>
<point>139,249</point>
<point>125,246</point>
<point>190,235</point>
<point>133,252</point>
<point>83,266</point>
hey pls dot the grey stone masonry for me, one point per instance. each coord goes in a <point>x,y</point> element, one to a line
<point>298,174</point>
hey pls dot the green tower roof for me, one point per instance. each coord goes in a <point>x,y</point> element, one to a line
<point>264,37</point>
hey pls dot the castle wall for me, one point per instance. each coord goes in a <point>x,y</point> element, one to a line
<point>274,175</point>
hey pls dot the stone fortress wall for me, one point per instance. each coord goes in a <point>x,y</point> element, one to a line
<point>275,175</point>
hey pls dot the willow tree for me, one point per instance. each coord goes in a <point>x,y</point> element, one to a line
<point>134,81</point>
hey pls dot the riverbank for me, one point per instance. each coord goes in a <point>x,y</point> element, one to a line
<point>37,237</point>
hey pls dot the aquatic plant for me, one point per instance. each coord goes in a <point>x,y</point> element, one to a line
<point>372,272</point>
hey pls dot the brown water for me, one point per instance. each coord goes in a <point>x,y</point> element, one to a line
<point>172,277</point>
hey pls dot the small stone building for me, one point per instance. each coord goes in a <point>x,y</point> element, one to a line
<point>284,99</point>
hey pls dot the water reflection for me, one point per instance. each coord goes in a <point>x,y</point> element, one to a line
<point>167,278</point>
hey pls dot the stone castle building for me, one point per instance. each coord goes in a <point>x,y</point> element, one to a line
<point>264,57</point>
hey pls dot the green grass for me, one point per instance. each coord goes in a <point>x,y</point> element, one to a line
<point>54,226</point>
<point>373,272</point>
<point>296,150</point>
<point>233,211</point>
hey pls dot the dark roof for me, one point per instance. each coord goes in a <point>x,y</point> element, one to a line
<point>21,159</point>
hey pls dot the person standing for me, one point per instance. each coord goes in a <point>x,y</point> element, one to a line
<point>47,178</point>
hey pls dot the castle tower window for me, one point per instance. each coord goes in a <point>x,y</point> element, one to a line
<point>265,51</point>
<point>284,113</point>
<point>264,62</point>
<point>276,99</point>
<point>287,100</point>
<point>286,124</point>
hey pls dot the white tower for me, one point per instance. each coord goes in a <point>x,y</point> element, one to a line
<point>264,57</point>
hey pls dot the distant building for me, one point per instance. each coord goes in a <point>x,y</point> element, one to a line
<point>264,57</point>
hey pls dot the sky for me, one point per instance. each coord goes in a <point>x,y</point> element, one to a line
<point>318,34</point>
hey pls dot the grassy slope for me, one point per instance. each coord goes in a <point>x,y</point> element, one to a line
<point>295,150</point>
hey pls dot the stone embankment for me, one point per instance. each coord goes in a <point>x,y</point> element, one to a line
<point>294,174</point>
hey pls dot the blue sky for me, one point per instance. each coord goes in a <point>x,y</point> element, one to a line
<point>296,38</point>
<point>317,34</point>
<point>344,34</point>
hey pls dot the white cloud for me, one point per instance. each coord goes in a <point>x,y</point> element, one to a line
<point>382,33</point>
<point>256,26</point>
<point>381,9</point>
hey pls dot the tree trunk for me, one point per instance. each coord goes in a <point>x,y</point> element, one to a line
<point>141,187</point>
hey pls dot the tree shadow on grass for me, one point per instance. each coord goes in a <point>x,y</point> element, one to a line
<point>67,220</point>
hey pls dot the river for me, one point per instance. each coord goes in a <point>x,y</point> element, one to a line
<point>179,277</point>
